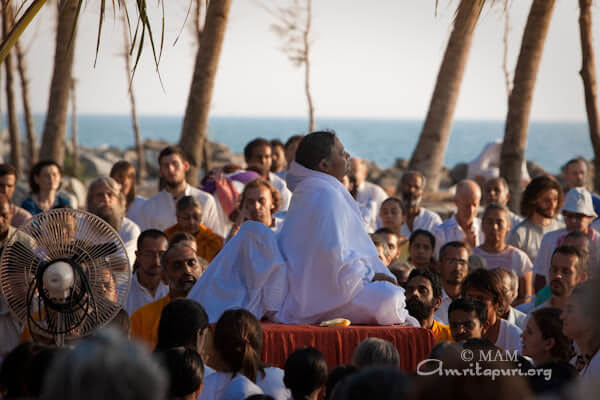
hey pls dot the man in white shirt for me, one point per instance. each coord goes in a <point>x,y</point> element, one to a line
<point>368,194</point>
<point>463,226</point>
<point>540,204</point>
<point>257,154</point>
<point>453,267</point>
<point>105,199</point>
<point>416,217</point>
<point>579,214</point>
<point>159,211</point>
<point>8,182</point>
<point>146,283</point>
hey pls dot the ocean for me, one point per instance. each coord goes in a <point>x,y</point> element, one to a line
<point>550,144</point>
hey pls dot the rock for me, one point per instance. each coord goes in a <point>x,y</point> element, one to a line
<point>459,172</point>
<point>535,169</point>
<point>75,188</point>
<point>93,165</point>
<point>401,164</point>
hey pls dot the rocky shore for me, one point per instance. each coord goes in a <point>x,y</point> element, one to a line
<point>98,161</point>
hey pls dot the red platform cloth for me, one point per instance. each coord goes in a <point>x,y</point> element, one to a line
<point>338,344</point>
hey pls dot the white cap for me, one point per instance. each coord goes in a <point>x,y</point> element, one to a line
<point>578,200</point>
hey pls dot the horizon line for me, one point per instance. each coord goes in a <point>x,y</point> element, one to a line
<point>333,117</point>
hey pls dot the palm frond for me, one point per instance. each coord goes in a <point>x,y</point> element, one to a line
<point>19,27</point>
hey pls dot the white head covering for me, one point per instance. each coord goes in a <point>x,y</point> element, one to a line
<point>249,272</point>
<point>329,254</point>
<point>239,388</point>
<point>579,200</point>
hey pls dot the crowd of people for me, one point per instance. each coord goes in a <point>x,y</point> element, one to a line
<point>300,236</point>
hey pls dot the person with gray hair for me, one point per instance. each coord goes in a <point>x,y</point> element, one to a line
<point>510,289</point>
<point>376,352</point>
<point>181,268</point>
<point>412,185</point>
<point>105,200</point>
<point>105,366</point>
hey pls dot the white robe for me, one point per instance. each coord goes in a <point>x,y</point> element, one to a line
<point>249,272</point>
<point>331,259</point>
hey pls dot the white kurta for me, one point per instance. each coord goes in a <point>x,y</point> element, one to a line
<point>139,296</point>
<point>331,259</point>
<point>135,212</point>
<point>426,220</point>
<point>129,233</point>
<point>285,193</point>
<point>159,211</point>
<point>451,231</point>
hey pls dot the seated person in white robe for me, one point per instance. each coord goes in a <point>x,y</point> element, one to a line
<point>332,263</point>
<point>322,265</point>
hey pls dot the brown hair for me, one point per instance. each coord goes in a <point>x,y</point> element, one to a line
<point>256,183</point>
<point>239,340</point>
<point>551,326</point>
<point>486,281</point>
<point>125,169</point>
<point>535,189</point>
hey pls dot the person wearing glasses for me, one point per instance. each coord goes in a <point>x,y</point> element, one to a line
<point>181,268</point>
<point>146,283</point>
<point>453,267</point>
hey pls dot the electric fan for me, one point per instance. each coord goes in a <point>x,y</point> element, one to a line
<point>64,274</point>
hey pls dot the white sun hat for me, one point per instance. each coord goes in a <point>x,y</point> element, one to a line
<point>579,200</point>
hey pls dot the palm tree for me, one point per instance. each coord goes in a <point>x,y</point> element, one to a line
<point>521,96</point>
<point>195,122</point>
<point>11,107</point>
<point>139,146</point>
<point>428,155</point>
<point>588,75</point>
<point>29,124</point>
<point>55,126</point>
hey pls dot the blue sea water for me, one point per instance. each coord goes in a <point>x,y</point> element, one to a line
<point>550,143</point>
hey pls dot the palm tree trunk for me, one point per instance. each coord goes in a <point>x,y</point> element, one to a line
<point>74,135</point>
<point>588,75</point>
<point>520,100</point>
<point>428,155</point>
<point>306,43</point>
<point>139,146</point>
<point>29,124</point>
<point>195,122</point>
<point>55,126</point>
<point>11,108</point>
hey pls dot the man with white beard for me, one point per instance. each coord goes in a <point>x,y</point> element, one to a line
<point>105,199</point>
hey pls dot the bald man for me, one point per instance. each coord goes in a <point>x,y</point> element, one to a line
<point>463,226</point>
<point>369,194</point>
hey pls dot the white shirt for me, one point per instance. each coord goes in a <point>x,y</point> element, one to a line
<point>285,193</point>
<point>135,212</point>
<point>450,231</point>
<point>517,318</point>
<point>426,220</point>
<point>509,336</point>
<point>511,258</point>
<point>129,233</point>
<point>527,236</point>
<point>441,314</point>
<point>368,192</point>
<point>139,296</point>
<point>550,241</point>
<point>159,211</point>
<point>271,384</point>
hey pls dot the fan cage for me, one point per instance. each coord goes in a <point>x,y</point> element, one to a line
<point>100,264</point>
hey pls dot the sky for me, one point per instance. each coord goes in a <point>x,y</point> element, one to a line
<point>369,60</point>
